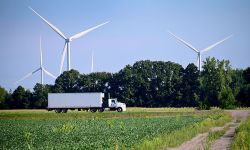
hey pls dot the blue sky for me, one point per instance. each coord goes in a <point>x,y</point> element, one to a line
<point>137,31</point>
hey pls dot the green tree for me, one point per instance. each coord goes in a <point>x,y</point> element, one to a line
<point>20,98</point>
<point>246,75</point>
<point>95,82</point>
<point>3,98</point>
<point>68,82</point>
<point>244,95</point>
<point>148,84</point>
<point>216,79</point>
<point>190,86</point>
<point>237,81</point>
<point>40,96</point>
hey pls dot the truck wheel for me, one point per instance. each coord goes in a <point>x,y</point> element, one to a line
<point>101,110</point>
<point>93,110</point>
<point>58,110</point>
<point>64,110</point>
<point>119,109</point>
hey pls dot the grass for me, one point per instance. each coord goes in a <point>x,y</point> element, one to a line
<point>138,128</point>
<point>162,109</point>
<point>242,137</point>
<point>131,113</point>
<point>212,136</point>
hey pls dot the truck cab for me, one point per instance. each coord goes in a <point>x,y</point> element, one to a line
<point>115,105</point>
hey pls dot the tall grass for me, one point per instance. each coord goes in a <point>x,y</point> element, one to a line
<point>242,137</point>
<point>161,109</point>
<point>212,136</point>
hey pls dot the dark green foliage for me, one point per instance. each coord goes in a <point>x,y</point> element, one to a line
<point>216,79</point>
<point>19,98</point>
<point>190,86</point>
<point>3,98</point>
<point>237,81</point>
<point>40,96</point>
<point>95,82</point>
<point>68,82</point>
<point>244,95</point>
<point>148,84</point>
<point>246,75</point>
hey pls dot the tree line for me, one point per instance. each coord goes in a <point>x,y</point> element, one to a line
<point>148,84</point>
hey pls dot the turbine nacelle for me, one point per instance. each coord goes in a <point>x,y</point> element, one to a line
<point>68,40</point>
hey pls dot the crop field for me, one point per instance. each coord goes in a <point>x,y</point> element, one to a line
<point>135,129</point>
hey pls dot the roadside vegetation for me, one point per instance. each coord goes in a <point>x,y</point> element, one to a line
<point>213,136</point>
<point>242,137</point>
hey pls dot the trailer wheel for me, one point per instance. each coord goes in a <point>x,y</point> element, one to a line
<point>93,110</point>
<point>64,110</point>
<point>101,110</point>
<point>58,110</point>
<point>119,109</point>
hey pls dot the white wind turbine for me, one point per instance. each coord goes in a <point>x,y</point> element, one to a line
<point>199,52</point>
<point>41,68</point>
<point>67,40</point>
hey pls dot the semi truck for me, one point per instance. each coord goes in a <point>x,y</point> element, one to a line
<point>61,102</point>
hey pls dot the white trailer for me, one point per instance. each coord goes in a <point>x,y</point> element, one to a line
<point>61,102</point>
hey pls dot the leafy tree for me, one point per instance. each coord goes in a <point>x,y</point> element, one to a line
<point>68,82</point>
<point>237,81</point>
<point>40,96</point>
<point>148,83</point>
<point>190,86</point>
<point>20,98</point>
<point>122,86</point>
<point>246,75</point>
<point>244,95</point>
<point>227,98</point>
<point>3,98</point>
<point>95,82</point>
<point>216,79</point>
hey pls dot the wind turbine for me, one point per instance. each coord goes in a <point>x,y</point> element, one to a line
<point>41,68</point>
<point>92,62</point>
<point>199,52</point>
<point>67,40</point>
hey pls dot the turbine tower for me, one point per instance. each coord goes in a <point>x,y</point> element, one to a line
<point>92,62</point>
<point>199,52</point>
<point>67,40</point>
<point>41,68</point>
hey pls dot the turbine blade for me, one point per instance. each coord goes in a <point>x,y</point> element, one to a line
<point>63,57</point>
<point>184,42</point>
<point>28,75</point>
<point>78,35</point>
<point>51,25</point>
<point>212,46</point>
<point>48,73</point>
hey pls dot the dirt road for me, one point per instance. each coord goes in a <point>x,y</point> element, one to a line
<point>223,143</point>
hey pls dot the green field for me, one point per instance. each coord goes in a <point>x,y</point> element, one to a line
<point>135,129</point>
